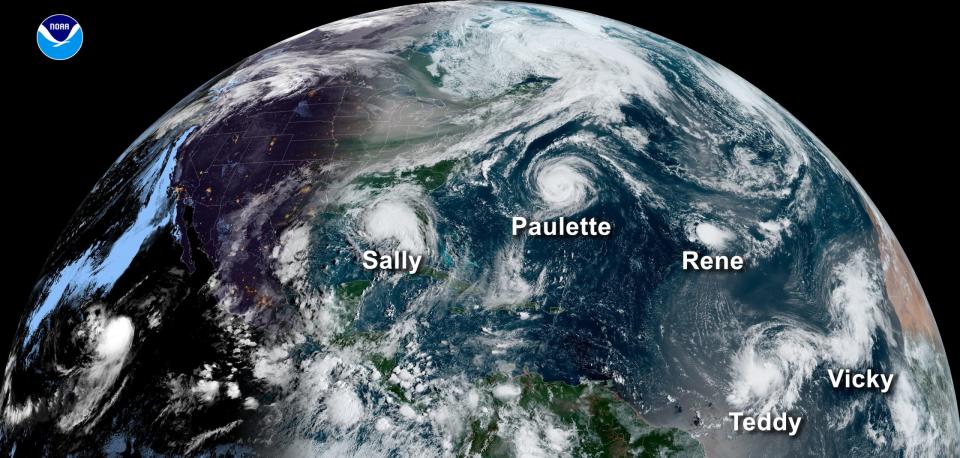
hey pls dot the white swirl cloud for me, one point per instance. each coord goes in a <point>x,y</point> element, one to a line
<point>564,184</point>
<point>401,219</point>
<point>778,357</point>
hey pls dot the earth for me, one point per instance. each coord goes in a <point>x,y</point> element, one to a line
<point>209,295</point>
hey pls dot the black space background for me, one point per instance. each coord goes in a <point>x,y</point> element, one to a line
<point>868,82</point>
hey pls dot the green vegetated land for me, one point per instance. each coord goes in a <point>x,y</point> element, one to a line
<point>605,424</point>
<point>429,177</point>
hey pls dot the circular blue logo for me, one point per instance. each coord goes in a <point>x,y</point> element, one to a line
<point>59,37</point>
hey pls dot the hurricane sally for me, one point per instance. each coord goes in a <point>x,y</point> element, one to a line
<point>211,295</point>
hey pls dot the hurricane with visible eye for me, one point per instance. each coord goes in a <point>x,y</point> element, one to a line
<point>564,184</point>
<point>211,296</point>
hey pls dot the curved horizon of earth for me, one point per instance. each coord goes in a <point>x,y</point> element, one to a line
<point>209,295</point>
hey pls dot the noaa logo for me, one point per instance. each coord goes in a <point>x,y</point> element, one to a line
<point>59,37</point>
